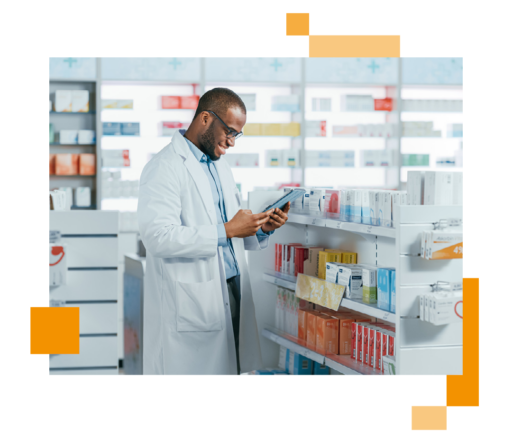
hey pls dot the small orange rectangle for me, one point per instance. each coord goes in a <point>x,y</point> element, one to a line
<point>429,418</point>
<point>87,164</point>
<point>297,24</point>
<point>357,46</point>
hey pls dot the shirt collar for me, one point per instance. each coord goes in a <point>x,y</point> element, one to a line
<point>200,156</point>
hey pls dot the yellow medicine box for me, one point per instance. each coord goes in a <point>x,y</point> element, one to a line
<point>349,258</point>
<point>325,257</point>
<point>252,130</point>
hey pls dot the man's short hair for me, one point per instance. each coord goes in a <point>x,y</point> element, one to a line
<point>219,100</point>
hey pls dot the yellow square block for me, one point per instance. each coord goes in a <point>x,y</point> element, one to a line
<point>429,418</point>
<point>290,129</point>
<point>55,330</point>
<point>271,129</point>
<point>252,130</point>
<point>297,24</point>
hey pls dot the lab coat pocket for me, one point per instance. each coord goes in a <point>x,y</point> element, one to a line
<point>198,307</point>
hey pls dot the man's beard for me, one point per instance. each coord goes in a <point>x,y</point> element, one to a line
<point>207,143</point>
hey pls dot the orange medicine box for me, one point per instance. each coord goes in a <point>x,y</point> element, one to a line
<point>171,102</point>
<point>189,102</point>
<point>52,164</point>
<point>326,334</point>
<point>66,164</point>
<point>345,335</point>
<point>303,324</point>
<point>87,164</point>
<point>311,329</point>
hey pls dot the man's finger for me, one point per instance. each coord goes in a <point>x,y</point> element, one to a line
<point>262,215</point>
<point>287,208</point>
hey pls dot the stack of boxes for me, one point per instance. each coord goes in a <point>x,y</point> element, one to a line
<point>434,188</point>
<point>289,129</point>
<point>177,102</point>
<point>66,164</point>
<point>71,101</point>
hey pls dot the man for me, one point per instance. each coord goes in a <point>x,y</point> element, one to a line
<point>199,313</point>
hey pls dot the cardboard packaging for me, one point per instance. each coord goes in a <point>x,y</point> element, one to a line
<point>169,128</point>
<point>384,288</point>
<point>83,196</point>
<point>384,206</point>
<point>327,331</point>
<point>63,101</point>
<point>366,345</point>
<point>415,187</point>
<point>311,329</point>
<point>321,104</point>
<point>52,134</point>
<point>316,200</point>
<point>457,189</point>
<point>291,158</point>
<point>86,137</point>
<point>125,104</point>
<point>57,200</point>
<point>285,103</point>
<point>445,245</point>
<point>319,369</point>
<point>332,201</point>
<point>189,102</point>
<point>302,256</point>
<point>325,257</point>
<point>344,131</point>
<point>438,188</point>
<point>374,207</point>
<point>52,164</point>
<point>392,308</point>
<point>87,164</point>
<point>171,102</point>
<point>68,137</point>
<point>385,104</point>
<point>297,364</point>
<point>252,130</point>
<point>349,258</point>
<point>111,129</point>
<point>290,129</point>
<point>58,264</point>
<point>360,341</point>
<point>355,206</point>
<point>316,128</point>
<point>80,101</point>
<point>378,349</point>
<point>369,286</point>
<point>130,129</point>
<point>389,366</point>
<point>274,158</point>
<point>278,257</point>
<point>311,264</point>
<point>365,207</point>
<point>372,346</point>
<point>345,334</point>
<point>271,129</point>
<point>108,104</point>
<point>303,325</point>
<point>66,164</point>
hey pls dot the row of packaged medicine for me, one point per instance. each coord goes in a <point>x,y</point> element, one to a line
<point>72,137</point>
<point>118,104</point>
<point>365,282</point>
<point>441,245</point>
<point>434,188</point>
<point>121,129</point>
<point>73,164</point>
<point>441,308</point>
<point>63,198</point>
<point>115,158</point>
<point>180,102</point>
<point>70,101</point>
<point>294,258</point>
<point>432,105</point>
<point>371,207</point>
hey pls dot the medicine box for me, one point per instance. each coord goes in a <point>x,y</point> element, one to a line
<point>438,188</point>
<point>349,258</point>
<point>171,102</point>
<point>83,196</point>
<point>327,331</point>
<point>87,164</point>
<point>384,205</point>
<point>189,102</point>
<point>311,264</point>
<point>111,129</point>
<point>384,288</point>
<point>285,103</point>
<point>311,329</point>
<point>332,201</point>
<point>415,187</point>
<point>291,158</point>
<point>316,200</point>
<point>130,128</point>
<point>66,164</point>
<point>369,286</point>
<point>315,128</point>
<point>274,158</point>
<point>252,129</point>
<point>297,364</point>
<point>325,257</point>
<point>80,101</point>
<point>345,335</point>
<point>319,369</point>
<point>63,101</point>
<point>392,307</point>
<point>321,104</point>
<point>290,129</point>
<point>52,164</point>
<point>68,137</point>
<point>389,366</point>
<point>86,137</point>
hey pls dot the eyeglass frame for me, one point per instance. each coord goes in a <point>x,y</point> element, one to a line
<point>230,134</point>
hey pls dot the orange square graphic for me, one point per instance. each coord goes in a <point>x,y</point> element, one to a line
<point>297,24</point>
<point>431,418</point>
<point>54,330</point>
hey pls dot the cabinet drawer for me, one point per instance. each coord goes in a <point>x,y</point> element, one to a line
<point>91,251</point>
<point>94,352</point>
<point>87,285</point>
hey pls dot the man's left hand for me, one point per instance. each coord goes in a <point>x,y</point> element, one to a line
<point>277,219</point>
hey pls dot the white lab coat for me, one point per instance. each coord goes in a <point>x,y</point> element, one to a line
<point>187,318</point>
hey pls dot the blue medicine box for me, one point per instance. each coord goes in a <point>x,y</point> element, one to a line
<point>320,369</point>
<point>111,129</point>
<point>392,309</point>
<point>384,288</point>
<point>297,364</point>
<point>130,128</point>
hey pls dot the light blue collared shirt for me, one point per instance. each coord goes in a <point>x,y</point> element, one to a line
<point>208,166</point>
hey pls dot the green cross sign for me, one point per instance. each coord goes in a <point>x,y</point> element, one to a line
<point>175,63</point>
<point>373,66</point>
<point>276,65</point>
<point>70,61</point>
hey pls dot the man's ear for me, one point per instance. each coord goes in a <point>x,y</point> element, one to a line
<point>205,116</point>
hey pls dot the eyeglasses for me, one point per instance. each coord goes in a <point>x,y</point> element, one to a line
<point>232,134</point>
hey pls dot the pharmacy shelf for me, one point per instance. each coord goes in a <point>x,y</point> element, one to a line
<point>281,280</point>
<point>72,113</point>
<point>343,364</point>
<point>289,282</point>
<point>357,228</point>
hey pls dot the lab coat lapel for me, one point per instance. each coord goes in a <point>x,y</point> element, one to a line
<point>197,173</point>
<point>228,188</point>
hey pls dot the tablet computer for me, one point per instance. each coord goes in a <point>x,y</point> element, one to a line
<point>288,197</point>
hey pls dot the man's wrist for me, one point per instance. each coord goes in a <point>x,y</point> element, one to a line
<point>228,230</point>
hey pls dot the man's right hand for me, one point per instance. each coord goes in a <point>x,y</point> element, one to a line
<point>245,223</point>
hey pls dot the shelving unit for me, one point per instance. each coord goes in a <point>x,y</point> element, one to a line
<point>76,121</point>
<point>420,348</point>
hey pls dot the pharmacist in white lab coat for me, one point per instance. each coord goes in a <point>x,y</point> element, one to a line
<point>199,315</point>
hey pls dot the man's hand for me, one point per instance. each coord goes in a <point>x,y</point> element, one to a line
<point>245,223</point>
<point>277,219</point>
